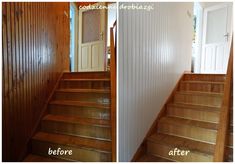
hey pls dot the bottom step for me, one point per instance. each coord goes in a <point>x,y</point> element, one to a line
<point>152,158</point>
<point>37,158</point>
<point>165,145</point>
<point>83,149</point>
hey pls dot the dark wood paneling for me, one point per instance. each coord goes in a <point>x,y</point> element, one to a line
<point>35,50</point>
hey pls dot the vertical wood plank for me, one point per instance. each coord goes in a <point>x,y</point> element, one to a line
<point>5,81</point>
<point>33,51</point>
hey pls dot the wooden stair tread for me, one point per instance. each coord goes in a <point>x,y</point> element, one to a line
<point>86,75</point>
<point>75,141</point>
<point>79,103</point>
<point>196,106</point>
<point>77,120</point>
<point>202,82</point>
<point>218,74</point>
<point>199,93</point>
<point>182,143</point>
<point>38,158</point>
<point>104,79</point>
<point>152,158</point>
<point>207,74</point>
<point>84,90</point>
<point>188,122</point>
<point>90,72</point>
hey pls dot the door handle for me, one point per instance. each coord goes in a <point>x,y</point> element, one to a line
<point>226,36</point>
<point>101,35</point>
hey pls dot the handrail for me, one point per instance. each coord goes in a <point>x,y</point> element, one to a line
<point>222,132</point>
<point>113,90</point>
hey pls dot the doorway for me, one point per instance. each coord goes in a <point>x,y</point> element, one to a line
<point>92,39</point>
<point>89,35</point>
<point>212,37</point>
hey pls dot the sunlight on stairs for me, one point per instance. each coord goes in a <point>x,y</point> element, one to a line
<point>78,119</point>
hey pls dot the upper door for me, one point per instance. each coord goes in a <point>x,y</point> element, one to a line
<point>216,37</point>
<point>91,39</point>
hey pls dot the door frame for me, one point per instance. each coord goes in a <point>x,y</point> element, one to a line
<point>76,25</point>
<point>199,32</point>
<point>104,34</point>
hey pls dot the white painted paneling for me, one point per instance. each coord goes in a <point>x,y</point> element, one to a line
<point>154,50</point>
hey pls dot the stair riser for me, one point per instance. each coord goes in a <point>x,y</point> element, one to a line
<point>76,129</point>
<point>85,84</point>
<point>78,154</point>
<point>101,98</point>
<point>215,78</point>
<point>163,151</point>
<point>86,75</point>
<point>188,132</point>
<point>203,87</point>
<point>87,112</point>
<point>198,99</point>
<point>193,114</point>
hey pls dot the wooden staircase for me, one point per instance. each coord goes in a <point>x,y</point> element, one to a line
<point>78,119</point>
<point>189,122</point>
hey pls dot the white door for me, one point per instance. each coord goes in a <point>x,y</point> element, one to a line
<point>91,39</point>
<point>216,37</point>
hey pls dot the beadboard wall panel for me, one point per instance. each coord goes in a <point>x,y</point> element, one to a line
<point>154,51</point>
<point>35,50</point>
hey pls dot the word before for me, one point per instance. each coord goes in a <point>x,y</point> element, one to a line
<point>178,152</point>
<point>59,151</point>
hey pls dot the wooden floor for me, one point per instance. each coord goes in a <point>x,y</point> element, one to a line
<point>190,122</point>
<point>78,119</point>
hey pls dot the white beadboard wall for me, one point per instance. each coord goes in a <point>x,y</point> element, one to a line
<point>154,50</point>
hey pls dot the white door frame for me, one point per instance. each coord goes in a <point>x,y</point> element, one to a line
<point>199,32</point>
<point>103,14</point>
<point>73,5</point>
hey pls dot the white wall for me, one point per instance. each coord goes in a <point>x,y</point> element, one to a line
<point>154,50</point>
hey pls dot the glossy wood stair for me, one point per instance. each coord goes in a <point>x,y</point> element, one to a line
<point>190,121</point>
<point>77,119</point>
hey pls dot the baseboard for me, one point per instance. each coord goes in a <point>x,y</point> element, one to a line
<point>143,146</point>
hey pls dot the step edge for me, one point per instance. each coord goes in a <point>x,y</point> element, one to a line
<point>83,90</point>
<point>160,121</point>
<point>201,82</point>
<point>43,156</point>
<point>183,117</point>
<point>200,93</point>
<point>77,122</point>
<point>196,109</point>
<point>95,79</point>
<point>56,102</point>
<point>195,151</point>
<point>72,145</point>
<point>181,104</point>
<point>76,146</point>
<point>159,156</point>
